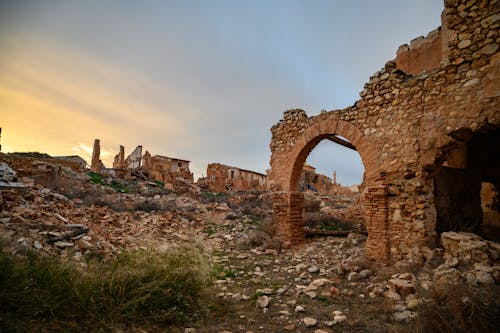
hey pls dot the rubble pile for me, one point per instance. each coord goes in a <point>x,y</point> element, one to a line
<point>324,284</point>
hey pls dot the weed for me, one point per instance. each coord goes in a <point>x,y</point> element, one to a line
<point>207,197</point>
<point>96,178</point>
<point>324,221</point>
<point>149,206</point>
<point>160,183</point>
<point>223,272</point>
<point>151,288</point>
<point>464,309</point>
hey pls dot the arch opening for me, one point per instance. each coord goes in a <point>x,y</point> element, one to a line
<point>288,203</point>
<point>329,207</point>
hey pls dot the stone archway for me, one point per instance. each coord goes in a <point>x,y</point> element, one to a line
<point>288,201</point>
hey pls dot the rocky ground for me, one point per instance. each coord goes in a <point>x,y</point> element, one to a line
<point>324,285</point>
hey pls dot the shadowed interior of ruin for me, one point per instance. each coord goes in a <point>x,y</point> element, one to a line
<point>467,199</point>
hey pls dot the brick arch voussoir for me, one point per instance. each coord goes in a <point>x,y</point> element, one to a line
<point>320,130</point>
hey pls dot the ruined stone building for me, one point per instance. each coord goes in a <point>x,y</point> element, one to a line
<point>166,169</point>
<point>82,164</point>
<point>157,167</point>
<point>427,130</point>
<point>223,178</point>
<point>133,161</point>
<point>315,182</point>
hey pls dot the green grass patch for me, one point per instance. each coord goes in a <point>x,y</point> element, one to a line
<point>159,183</point>
<point>223,272</point>
<point>207,197</point>
<point>99,179</point>
<point>95,178</point>
<point>145,288</point>
<point>118,187</point>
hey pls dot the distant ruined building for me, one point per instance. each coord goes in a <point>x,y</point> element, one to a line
<point>223,178</point>
<point>314,182</point>
<point>427,128</point>
<point>160,168</point>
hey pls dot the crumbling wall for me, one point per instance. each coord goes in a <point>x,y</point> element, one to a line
<point>423,53</point>
<point>96,164</point>
<point>166,169</point>
<point>133,161</point>
<point>119,160</point>
<point>223,178</point>
<point>75,162</point>
<point>402,127</point>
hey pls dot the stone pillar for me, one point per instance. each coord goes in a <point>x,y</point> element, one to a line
<point>121,158</point>
<point>334,177</point>
<point>119,161</point>
<point>95,166</point>
<point>287,216</point>
<point>376,216</point>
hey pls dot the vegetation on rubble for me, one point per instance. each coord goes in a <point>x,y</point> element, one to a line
<point>319,220</point>
<point>160,183</point>
<point>140,288</point>
<point>207,197</point>
<point>463,309</point>
<point>96,178</point>
<point>99,179</point>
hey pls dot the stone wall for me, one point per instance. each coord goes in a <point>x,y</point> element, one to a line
<point>166,169</point>
<point>425,53</point>
<point>404,127</point>
<point>223,178</point>
<point>119,160</point>
<point>96,164</point>
<point>133,161</point>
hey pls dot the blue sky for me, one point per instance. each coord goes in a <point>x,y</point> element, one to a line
<point>198,80</point>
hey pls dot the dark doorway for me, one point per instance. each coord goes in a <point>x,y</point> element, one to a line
<point>467,199</point>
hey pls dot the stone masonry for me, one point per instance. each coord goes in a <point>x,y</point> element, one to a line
<point>166,169</point>
<point>315,182</point>
<point>223,178</point>
<point>415,117</point>
<point>96,163</point>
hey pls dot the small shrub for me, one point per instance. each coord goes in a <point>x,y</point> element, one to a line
<point>96,178</point>
<point>262,236</point>
<point>118,187</point>
<point>318,220</point>
<point>464,309</point>
<point>160,183</point>
<point>148,206</point>
<point>207,197</point>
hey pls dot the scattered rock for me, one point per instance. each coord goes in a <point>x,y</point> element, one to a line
<point>310,322</point>
<point>263,301</point>
<point>300,308</point>
<point>402,287</point>
<point>405,316</point>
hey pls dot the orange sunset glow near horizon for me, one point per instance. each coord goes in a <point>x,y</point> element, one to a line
<point>197,80</point>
